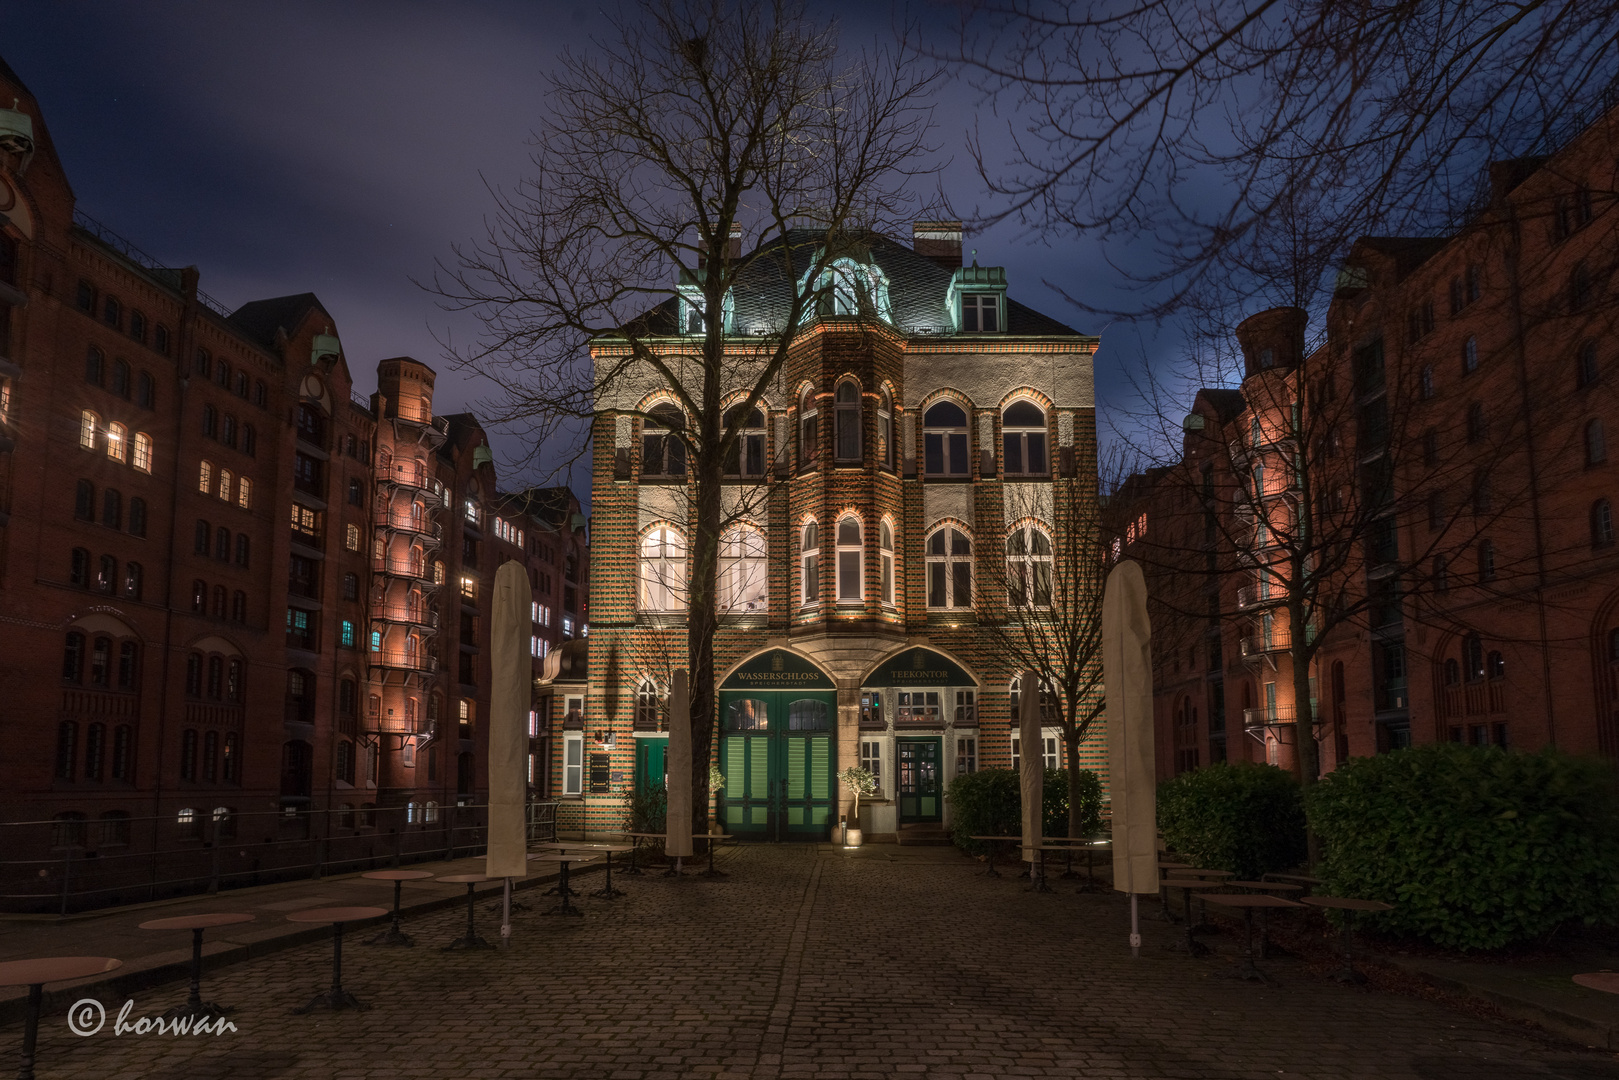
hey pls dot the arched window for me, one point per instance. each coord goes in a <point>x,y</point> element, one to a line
<point>137,517</point>
<point>117,442</point>
<point>160,339</point>
<point>142,459</point>
<point>107,576</point>
<point>1585,365</point>
<point>199,597</point>
<point>241,384</point>
<point>84,501</point>
<point>210,757</point>
<point>111,312</point>
<point>1495,666</point>
<point>1453,673</point>
<point>744,575</point>
<point>242,549</point>
<point>1028,567</point>
<point>219,601</point>
<point>128,665</point>
<point>809,563</point>
<point>649,707</point>
<point>885,430</point>
<point>73,657</point>
<point>1023,434</point>
<point>222,374</point>
<point>101,662</point>
<point>227,431</point>
<point>201,538</point>
<point>944,440</point>
<point>112,508</point>
<point>222,544</point>
<point>122,746</point>
<point>809,431</point>
<point>663,449</point>
<point>1426,382</point>
<point>1486,560</point>
<point>120,379</point>
<point>67,749</point>
<point>205,477</point>
<point>848,288</point>
<point>224,485</point>
<point>88,423</point>
<point>886,548</point>
<point>145,391</point>
<point>95,751</point>
<point>250,441</point>
<point>210,421</point>
<point>79,568</point>
<point>133,580</point>
<point>244,493</point>
<point>851,560</point>
<point>950,569</point>
<point>846,408</point>
<point>238,606</point>
<point>1469,356</point>
<point>1472,658</point>
<point>188,771</point>
<point>1596,443</point>
<point>1601,524</point>
<point>1579,288</point>
<point>663,570</point>
<point>747,456</point>
<point>95,366</point>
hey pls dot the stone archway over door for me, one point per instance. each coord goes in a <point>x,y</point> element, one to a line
<point>777,748</point>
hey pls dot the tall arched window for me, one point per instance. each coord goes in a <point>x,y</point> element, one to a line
<point>1441,574</point>
<point>1601,524</point>
<point>222,544</point>
<point>79,567</point>
<point>851,560</point>
<point>663,450</point>
<point>1028,567</point>
<point>885,430</point>
<point>1486,560</point>
<point>101,662</point>
<point>88,423</point>
<point>95,366</point>
<point>205,477</point>
<point>73,657</point>
<point>847,410</point>
<point>1426,382</point>
<point>224,485</point>
<point>1023,435</point>
<point>244,493</point>
<point>747,456</point>
<point>1472,658</point>
<point>120,379</point>
<point>744,576</point>
<point>1585,365</point>
<point>663,570</point>
<point>84,501</point>
<point>809,561</point>
<point>112,508</point>
<point>809,431</point>
<point>944,440</point>
<point>133,580</point>
<point>117,442</point>
<point>107,576</point>
<point>1596,443</point>
<point>142,459</point>
<point>950,569</point>
<point>145,391</point>
<point>1469,356</point>
<point>886,546</point>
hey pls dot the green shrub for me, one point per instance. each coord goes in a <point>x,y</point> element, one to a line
<point>990,803</point>
<point>1476,848</point>
<point>647,809</point>
<point>1243,817</point>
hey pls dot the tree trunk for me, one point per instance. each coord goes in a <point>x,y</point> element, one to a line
<point>1305,750</point>
<point>702,613</point>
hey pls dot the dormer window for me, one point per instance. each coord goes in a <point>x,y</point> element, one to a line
<point>850,289</point>
<point>980,313</point>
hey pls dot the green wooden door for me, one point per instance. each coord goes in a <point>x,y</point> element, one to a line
<point>776,753</point>
<point>807,775</point>
<point>919,780</point>
<point>651,763</point>
<point>745,753</point>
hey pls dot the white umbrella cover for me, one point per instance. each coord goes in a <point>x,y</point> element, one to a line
<point>677,828</point>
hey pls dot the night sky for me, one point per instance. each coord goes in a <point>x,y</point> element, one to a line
<point>340,148</point>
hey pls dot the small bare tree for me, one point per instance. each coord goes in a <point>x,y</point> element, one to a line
<point>704,129</point>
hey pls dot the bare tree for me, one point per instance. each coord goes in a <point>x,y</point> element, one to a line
<point>703,129</point>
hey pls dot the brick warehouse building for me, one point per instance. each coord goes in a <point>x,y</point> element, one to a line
<point>236,601</point>
<point>868,549</point>
<point>1468,378</point>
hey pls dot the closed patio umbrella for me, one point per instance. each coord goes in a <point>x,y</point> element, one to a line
<point>1132,778</point>
<point>510,698</point>
<point>1031,771</point>
<point>677,828</point>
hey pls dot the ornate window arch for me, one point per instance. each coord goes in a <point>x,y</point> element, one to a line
<point>847,420</point>
<point>1023,439</point>
<point>944,440</point>
<point>1028,566</point>
<point>885,428</point>
<point>747,456</point>
<point>851,554</point>
<point>744,570</point>
<point>809,431</point>
<point>663,447</point>
<point>663,569</point>
<point>949,563</point>
<point>809,563</point>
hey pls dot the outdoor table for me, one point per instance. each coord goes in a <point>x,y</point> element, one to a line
<point>635,840</point>
<point>393,935</point>
<point>1605,981</point>
<point>607,892</point>
<point>1065,844</point>
<point>471,940</point>
<point>714,840</point>
<point>992,841</point>
<point>1348,907</point>
<point>1247,902</point>
<point>1192,946</point>
<point>1264,913</point>
<point>562,885</point>
<point>1163,897</point>
<point>195,1008</point>
<point>563,858</point>
<point>34,974</point>
<point>1202,909</point>
<point>336,997</point>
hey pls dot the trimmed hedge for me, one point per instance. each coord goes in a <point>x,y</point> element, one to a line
<point>1244,817</point>
<point>1476,848</point>
<point>990,803</point>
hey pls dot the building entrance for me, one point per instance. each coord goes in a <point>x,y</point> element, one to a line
<point>776,749</point>
<point>919,789</point>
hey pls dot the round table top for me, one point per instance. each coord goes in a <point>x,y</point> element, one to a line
<point>1249,900</point>
<point>335,914</point>
<point>1174,866</point>
<point>204,921</point>
<point>49,969</point>
<point>465,879</point>
<point>588,846</point>
<point>995,838</point>
<point>1189,883</point>
<point>1267,886</point>
<point>1606,981</point>
<point>398,875</point>
<point>554,856</point>
<point>1189,872</point>
<point>1344,903</point>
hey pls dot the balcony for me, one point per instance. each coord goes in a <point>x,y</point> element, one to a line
<point>383,724</point>
<point>404,660</point>
<point>429,490</point>
<point>421,615</point>
<point>1255,721</point>
<point>1277,641</point>
<point>403,568</point>
<point>430,531</point>
<point>1255,596</point>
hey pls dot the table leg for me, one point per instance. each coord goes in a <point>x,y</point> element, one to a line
<point>711,872</point>
<point>1163,903</point>
<point>991,872</point>
<point>564,908</point>
<point>635,848</point>
<point>607,892</point>
<point>1190,945</point>
<point>1246,970</point>
<point>336,998</point>
<point>1037,873</point>
<point>1348,973</point>
<point>30,1032</point>
<point>393,935</point>
<point>471,940</point>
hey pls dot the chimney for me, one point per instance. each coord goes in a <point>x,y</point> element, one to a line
<point>939,241</point>
<point>734,248</point>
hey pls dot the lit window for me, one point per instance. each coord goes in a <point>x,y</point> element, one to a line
<point>351,537</point>
<point>810,564</point>
<point>663,570</point>
<point>950,569</point>
<point>470,509</point>
<point>244,496</point>
<point>1028,568</point>
<point>851,560</point>
<point>143,452</point>
<point>743,574</point>
<point>224,484</point>
<point>205,477</point>
<point>846,415</point>
<point>87,430</point>
<point>117,442</point>
<point>469,587</point>
<point>886,534</point>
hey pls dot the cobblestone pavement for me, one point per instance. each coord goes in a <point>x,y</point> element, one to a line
<point>806,963</point>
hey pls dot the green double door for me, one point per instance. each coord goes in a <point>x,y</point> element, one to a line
<point>919,784</point>
<point>776,753</point>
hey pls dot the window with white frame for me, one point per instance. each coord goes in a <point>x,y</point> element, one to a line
<point>573,763</point>
<point>944,441</point>
<point>743,574</point>
<point>810,564</point>
<point>1028,567</point>
<point>224,485</point>
<point>919,707</point>
<point>87,430</point>
<point>747,456</point>
<point>980,313</point>
<point>1023,438</point>
<point>846,413</point>
<point>117,442</point>
<point>885,430</point>
<point>966,754</point>
<point>244,492</point>
<point>809,431</point>
<point>851,560</point>
<point>663,448</point>
<point>663,569</point>
<point>871,759</point>
<point>1048,751</point>
<point>469,509</point>
<point>649,706</point>
<point>950,569</point>
<point>1049,712</point>
<point>205,477</point>
<point>886,550</point>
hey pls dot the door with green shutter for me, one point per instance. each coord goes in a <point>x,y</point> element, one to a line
<point>745,758</point>
<point>806,746</point>
<point>776,752</point>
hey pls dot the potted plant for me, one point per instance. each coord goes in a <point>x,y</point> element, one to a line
<point>861,782</point>
<point>716,784</point>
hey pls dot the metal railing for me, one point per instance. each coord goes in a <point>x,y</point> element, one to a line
<point>1273,716</point>
<point>400,658</point>
<point>69,866</point>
